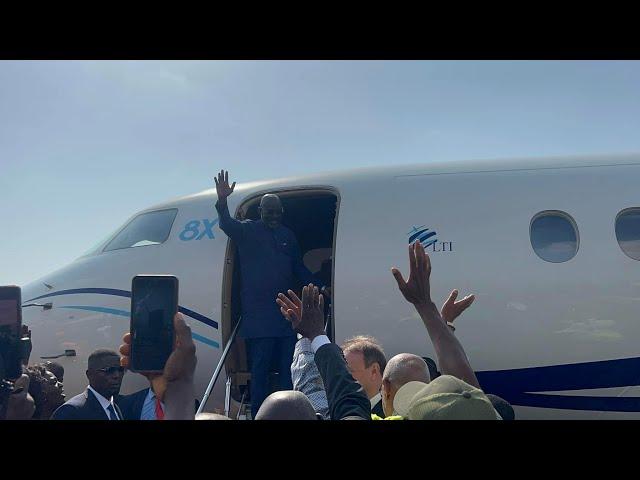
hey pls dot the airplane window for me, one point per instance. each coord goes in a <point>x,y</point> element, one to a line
<point>554,236</point>
<point>150,228</point>
<point>628,232</point>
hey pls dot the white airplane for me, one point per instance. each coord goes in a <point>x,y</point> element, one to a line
<point>550,247</point>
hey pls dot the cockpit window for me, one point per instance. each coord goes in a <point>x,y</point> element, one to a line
<point>151,228</point>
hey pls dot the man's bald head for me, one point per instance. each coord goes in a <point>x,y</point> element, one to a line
<point>401,369</point>
<point>406,367</point>
<point>211,416</point>
<point>270,200</point>
<point>286,405</point>
<point>271,210</point>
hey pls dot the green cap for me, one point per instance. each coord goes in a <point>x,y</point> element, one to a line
<point>445,398</point>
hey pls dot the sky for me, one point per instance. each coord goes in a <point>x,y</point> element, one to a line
<point>86,144</point>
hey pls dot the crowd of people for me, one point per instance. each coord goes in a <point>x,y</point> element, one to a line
<point>330,382</point>
<point>318,378</point>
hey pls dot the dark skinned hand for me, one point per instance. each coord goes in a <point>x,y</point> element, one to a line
<point>452,309</point>
<point>306,315</point>
<point>222,185</point>
<point>416,289</point>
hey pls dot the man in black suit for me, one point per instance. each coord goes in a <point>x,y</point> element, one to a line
<point>346,397</point>
<point>96,402</point>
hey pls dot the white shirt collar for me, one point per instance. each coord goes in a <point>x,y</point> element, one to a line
<point>104,403</point>
<point>375,399</point>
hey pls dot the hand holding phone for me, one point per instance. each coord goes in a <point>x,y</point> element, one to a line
<point>180,365</point>
<point>11,332</point>
<point>154,304</point>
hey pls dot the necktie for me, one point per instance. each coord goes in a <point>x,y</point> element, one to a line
<point>159,411</point>
<point>112,413</point>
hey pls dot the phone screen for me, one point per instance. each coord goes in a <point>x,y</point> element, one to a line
<point>154,303</point>
<point>10,331</point>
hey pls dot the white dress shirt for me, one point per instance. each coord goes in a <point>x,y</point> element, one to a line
<point>306,377</point>
<point>375,399</point>
<point>319,341</point>
<point>104,403</point>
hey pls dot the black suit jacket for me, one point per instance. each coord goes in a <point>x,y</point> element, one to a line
<point>377,409</point>
<point>82,407</point>
<point>345,396</point>
<point>131,405</point>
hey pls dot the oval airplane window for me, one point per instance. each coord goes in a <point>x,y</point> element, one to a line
<point>628,232</point>
<point>554,236</point>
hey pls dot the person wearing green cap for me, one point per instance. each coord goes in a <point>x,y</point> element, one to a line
<point>410,372</point>
<point>445,398</point>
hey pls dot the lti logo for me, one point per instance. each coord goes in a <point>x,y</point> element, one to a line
<point>428,239</point>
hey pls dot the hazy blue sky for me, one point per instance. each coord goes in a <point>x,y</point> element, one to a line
<point>83,145</point>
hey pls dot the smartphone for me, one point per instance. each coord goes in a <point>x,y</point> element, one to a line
<point>154,304</point>
<point>11,331</point>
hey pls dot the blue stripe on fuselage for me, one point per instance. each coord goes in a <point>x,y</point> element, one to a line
<point>126,294</point>
<point>519,386</point>
<point>124,313</point>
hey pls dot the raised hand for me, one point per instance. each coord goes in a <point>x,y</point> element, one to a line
<point>222,185</point>
<point>311,322</point>
<point>290,307</point>
<point>416,289</point>
<point>452,309</point>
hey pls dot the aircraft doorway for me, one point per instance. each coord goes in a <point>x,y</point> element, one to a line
<point>312,215</point>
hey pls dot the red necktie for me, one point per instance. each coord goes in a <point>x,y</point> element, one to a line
<point>159,411</point>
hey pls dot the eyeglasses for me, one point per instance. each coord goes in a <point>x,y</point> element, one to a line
<point>111,370</point>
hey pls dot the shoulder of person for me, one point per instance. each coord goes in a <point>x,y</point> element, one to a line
<point>330,347</point>
<point>66,411</point>
<point>78,400</point>
<point>139,393</point>
<point>131,397</point>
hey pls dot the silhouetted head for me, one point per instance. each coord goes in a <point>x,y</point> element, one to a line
<point>401,369</point>
<point>56,369</point>
<point>503,407</point>
<point>211,416</point>
<point>271,210</point>
<point>286,405</point>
